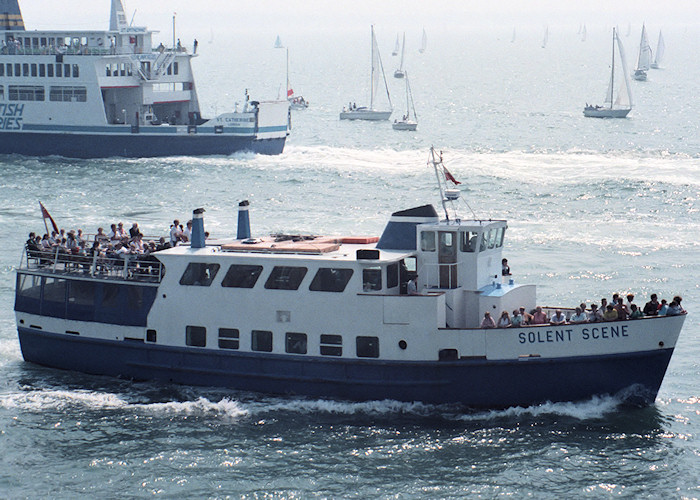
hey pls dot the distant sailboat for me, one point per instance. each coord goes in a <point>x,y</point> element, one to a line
<point>545,39</point>
<point>396,46</point>
<point>512,40</point>
<point>615,106</point>
<point>423,42</point>
<point>660,49</point>
<point>644,59</point>
<point>352,112</point>
<point>211,35</point>
<point>295,101</point>
<point>400,72</point>
<point>278,43</point>
<point>583,33</point>
<point>407,121</point>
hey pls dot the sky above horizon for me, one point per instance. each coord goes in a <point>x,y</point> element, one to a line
<point>319,15</point>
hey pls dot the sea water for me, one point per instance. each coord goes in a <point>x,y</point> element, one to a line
<point>594,207</point>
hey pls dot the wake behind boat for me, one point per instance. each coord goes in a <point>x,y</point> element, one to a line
<point>370,113</point>
<point>404,316</point>
<point>91,94</point>
<point>616,105</point>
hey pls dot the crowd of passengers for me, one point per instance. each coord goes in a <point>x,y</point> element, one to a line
<point>617,310</point>
<point>117,244</point>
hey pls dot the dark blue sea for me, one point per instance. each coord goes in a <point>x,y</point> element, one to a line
<point>594,207</point>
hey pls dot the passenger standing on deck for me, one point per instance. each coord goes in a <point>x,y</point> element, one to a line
<point>175,233</point>
<point>505,268</point>
<point>677,299</point>
<point>595,315</point>
<point>651,308</point>
<point>134,230</point>
<point>187,232</point>
<point>411,286</point>
<point>526,317</point>
<point>488,321</point>
<point>517,318</point>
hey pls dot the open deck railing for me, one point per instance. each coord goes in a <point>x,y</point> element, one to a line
<point>131,267</point>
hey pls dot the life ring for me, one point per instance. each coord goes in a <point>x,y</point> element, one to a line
<point>100,41</point>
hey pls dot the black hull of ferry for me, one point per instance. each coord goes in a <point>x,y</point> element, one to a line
<point>474,383</point>
<point>88,146</point>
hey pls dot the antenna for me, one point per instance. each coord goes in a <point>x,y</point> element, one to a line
<point>132,18</point>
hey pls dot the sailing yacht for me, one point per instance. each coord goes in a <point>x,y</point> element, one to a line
<point>660,49</point>
<point>583,33</point>
<point>644,59</point>
<point>353,112</point>
<point>407,122</point>
<point>399,73</point>
<point>546,37</point>
<point>295,101</point>
<point>397,46</point>
<point>278,43</point>
<point>615,106</point>
<point>423,42</point>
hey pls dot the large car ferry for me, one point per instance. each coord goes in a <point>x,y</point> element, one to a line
<point>91,94</point>
<point>393,317</point>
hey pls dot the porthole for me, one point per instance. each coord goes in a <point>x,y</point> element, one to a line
<point>402,344</point>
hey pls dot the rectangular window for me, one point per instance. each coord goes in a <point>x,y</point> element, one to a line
<point>295,343</point>
<point>42,70</point>
<point>9,69</point>
<point>2,70</point>
<point>18,69</point>
<point>392,275</point>
<point>175,68</point>
<point>122,69</point>
<point>76,71</point>
<point>484,240</point>
<point>331,345</point>
<point>241,276</point>
<point>499,236</point>
<point>196,336</point>
<point>170,69</point>
<point>25,93</point>
<point>427,241</point>
<point>229,338</point>
<point>261,340</point>
<point>199,274</point>
<point>151,335</point>
<point>67,94</point>
<point>2,91</point>
<point>372,279</point>
<point>49,70</point>
<point>59,70</point>
<point>468,241</point>
<point>66,71</point>
<point>108,70</point>
<point>285,278</point>
<point>35,70</point>
<point>367,347</point>
<point>25,69</point>
<point>330,279</point>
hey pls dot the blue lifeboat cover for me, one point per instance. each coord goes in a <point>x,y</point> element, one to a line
<point>10,16</point>
<point>400,232</point>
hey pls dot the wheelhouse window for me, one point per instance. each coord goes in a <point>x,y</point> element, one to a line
<point>295,343</point>
<point>196,336</point>
<point>367,347</point>
<point>261,340</point>
<point>229,338</point>
<point>285,278</point>
<point>328,279</point>
<point>468,241</point>
<point>392,275</point>
<point>331,345</point>
<point>199,274</point>
<point>372,279</point>
<point>427,241</point>
<point>241,276</point>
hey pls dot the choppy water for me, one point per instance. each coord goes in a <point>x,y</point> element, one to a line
<point>594,207</point>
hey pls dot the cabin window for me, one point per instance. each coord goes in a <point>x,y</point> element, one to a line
<point>18,69</point>
<point>76,71</point>
<point>26,93</point>
<point>330,279</point>
<point>392,275</point>
<point>151,335</point>
<point>285,278</point>
<point>196,336</point>
<point>372,279</point>
<point>2,70</point>
<point>468,241</point>
<point>9,69</point>
<point>261,340</point>
<point>122,69</point>
<point>108,70</point>
<point>2,91</point>
<point>25,69</point>
<point>67,94</point>
<point>42,70</point>
<point>59,70</point>
<point>427,241</point>
<point>331,345</point>
<point>199,274</point>
<point>485,241</point>
<point>367,347</point>
<point>229,338</point>
<point>170,69</point>
<point>49,70</point>
<point>493,234</point>
<point>241,276</point>
<point>35,70</point>
<point>500,232</point>
<point>176,68</point>
<point>295,343</point>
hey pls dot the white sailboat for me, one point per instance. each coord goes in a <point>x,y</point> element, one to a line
<point>397,46</point>
<point>400,72</point>
<point>546,37</point>
<point>423,42</point>
<point>660,49</point>
<point>407,121</point>
<point>278,43</point>
<point>512,40</point>
<point>615,106</point>
<point>295,101</point>
<point>353,112</point>
<point>583,33</point>
<point>644,59</point>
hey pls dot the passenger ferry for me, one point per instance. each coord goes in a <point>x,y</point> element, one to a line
<point>92,94</point>
<point>362,318</point>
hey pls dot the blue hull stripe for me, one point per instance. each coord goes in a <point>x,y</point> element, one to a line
<point>126,129</point>
<point>474,383</point>
<point>133,145</point>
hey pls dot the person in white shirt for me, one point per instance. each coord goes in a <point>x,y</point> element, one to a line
<point>504,320</point>
<point>557,318</point>
<point>595,315</point>
<point>579,317</point>
<point>175,233</point>
<point>187,232</point>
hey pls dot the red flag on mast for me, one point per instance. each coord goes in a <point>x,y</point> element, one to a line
<point>290,92</point>
<point>449,176</point>
<point>46,215</point>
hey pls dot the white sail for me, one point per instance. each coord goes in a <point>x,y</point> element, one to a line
<point>660,49</point>
<point>399,73</point>
<point>377,74</point>
<point>583,33</point>
<point>644,59</point>
<point>278,43</point>
<point>616,105</point>
<point>546,37</point>
<point>423,42</point>
<point>396,46</point>
<point>624,94</point>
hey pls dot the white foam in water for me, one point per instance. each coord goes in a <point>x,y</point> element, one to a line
<point>41,400</point>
